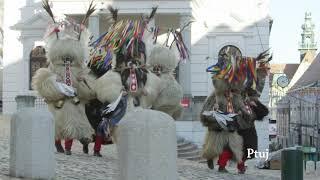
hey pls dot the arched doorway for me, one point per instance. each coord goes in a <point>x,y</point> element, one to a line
<point>230,50</point>
<point>37,60</point>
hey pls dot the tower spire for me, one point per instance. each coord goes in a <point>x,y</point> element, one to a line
<point>307,37</point>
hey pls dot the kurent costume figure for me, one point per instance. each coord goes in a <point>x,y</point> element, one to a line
<point>103,118</point>
<point>121,62</point>
<point>120,57</point>
<point>163,62</point>
<point>65,84</point>
<point>118,61</point>
<point>229,112</point>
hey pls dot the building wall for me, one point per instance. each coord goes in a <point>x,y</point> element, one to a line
<point>12,62</point>
<point>221,23</point>
<point>297,116</point>
<point>217,23</point>
<point>25,24</point>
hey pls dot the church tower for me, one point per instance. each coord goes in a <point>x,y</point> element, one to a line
<point>307,37</point>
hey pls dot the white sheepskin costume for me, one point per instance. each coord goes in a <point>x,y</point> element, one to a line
<point>168,101</point>
<point>70,119</point>
<point>162,93</point>
<point>109,86</point>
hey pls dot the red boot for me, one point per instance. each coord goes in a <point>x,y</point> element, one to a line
<point>97,145</point>
<point>224,157</point>
<point>67,146</point>
<point>241,168</point>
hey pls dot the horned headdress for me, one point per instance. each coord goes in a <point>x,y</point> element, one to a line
<point>67,28</point>
<point>124,39</point>
<point>66,39</point>
<point>242,70</point>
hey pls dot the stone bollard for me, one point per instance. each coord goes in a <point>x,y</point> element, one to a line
<point>31,142</point>
<point>318,168</point>
<point>291,164</point>
<point>310,167</point>
<point>147,146</point>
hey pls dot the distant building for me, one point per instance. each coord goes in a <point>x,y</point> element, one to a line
<point>276,94</point>
<point>298,110</point>
<point>307,43</point>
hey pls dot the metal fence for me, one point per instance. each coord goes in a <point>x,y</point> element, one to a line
<point>40,103</point>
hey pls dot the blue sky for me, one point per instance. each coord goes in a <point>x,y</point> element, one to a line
<point>288,16</point>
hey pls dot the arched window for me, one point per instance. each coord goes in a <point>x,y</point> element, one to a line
<point>230,50</point>
<point>37,60</point>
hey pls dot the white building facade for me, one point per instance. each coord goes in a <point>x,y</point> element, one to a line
<point>244,24</point>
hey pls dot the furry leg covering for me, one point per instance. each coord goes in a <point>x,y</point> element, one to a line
<point>108,87</point>
<point>170,96</point>
<point>71,121</point>
<point>216,141</point>
<point>151,89</point>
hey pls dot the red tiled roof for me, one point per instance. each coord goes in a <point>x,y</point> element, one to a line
<point>311,75</point>
<point>288,69</point>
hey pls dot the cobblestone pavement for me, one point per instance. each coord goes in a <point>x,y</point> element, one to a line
<point>81,166</point>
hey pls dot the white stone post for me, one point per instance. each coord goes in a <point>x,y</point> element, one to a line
<point>147,146</point>
<point>318,168</point>
<point>31,141</point>
<point>310,167</point>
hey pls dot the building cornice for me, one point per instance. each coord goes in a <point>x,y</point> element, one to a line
<point>29,24</point>
<point>230,33</point>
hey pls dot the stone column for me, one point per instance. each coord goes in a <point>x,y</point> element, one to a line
<point>184,73</point>
<point>31,141</point>
<point>28,45</point>
<point>94,26</point>
<point>185,68</point>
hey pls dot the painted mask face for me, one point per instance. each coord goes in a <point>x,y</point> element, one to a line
<point>225,69</point>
